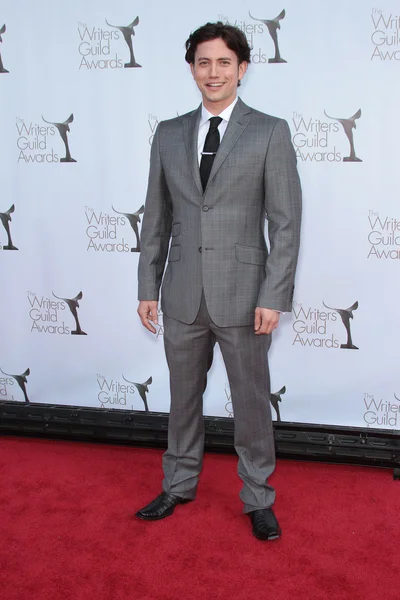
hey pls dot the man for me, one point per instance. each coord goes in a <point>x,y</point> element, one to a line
<point>211,184</point>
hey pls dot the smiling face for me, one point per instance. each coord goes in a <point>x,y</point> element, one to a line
<point>216,72</point>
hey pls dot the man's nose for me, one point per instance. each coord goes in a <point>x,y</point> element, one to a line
<point>213,70</point>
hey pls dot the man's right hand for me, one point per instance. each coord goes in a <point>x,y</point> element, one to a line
<point>147,311</point>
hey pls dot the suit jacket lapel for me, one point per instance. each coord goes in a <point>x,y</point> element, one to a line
<point>238,122</point>
<point>190,134</point>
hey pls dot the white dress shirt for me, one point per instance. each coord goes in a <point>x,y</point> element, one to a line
<point>205,125</point>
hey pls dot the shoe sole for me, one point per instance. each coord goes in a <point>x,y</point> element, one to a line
<point>273,536</point>
<point>144,518</point>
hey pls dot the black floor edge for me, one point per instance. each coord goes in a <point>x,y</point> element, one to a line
<point>298,441</point>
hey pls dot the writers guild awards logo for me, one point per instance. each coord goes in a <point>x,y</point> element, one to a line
<point>273,25</point>
<point>382,239</point>
<point>315,138</point>
<point>143,389</point>
<point>275,399</point>
<point>73,305</point>
<point>348,126</point>
<point>5,218</point>
<point>316,327</point>
<point>133,219</point>
<point>346,314</point>
<point>386,35</point>
<point>381,412</point>
<point>128,31</point>
<point>113,391</point>
<point>2,69</point>
<point>63,129</point>
<point>153,122</point>
<point>228,404</point>
<point>106,232</point>
<point>7,382</point>
<point>255,34</point>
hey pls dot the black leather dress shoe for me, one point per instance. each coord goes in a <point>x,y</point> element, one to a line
<point>265,524</point>
<point>161,507</point>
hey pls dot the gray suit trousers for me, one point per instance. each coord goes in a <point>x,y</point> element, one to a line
<point>188,350</point>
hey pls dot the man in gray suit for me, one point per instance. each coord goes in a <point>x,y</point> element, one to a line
<point>215,174</point>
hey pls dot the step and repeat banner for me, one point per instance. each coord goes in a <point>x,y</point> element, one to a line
<point>83,87</point>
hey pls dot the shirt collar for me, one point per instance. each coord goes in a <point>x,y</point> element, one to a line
<point>225,114</point>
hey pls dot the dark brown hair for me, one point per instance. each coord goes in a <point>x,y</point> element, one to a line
<point>233,37</point>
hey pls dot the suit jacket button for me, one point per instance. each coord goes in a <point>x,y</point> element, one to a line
<point>200,250</point>
<point>205,208</point>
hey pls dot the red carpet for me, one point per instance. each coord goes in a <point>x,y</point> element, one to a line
<point>67,532</point>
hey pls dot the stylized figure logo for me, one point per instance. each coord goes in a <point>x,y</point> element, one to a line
<point>73,305</point>
<point>5,218</point>
<point>22,381</point>
<point>133,219</point>
<point>143,389</point>
<point>2,69</point>
<point>273,25</point>
<point>348,126</point>
<point>128,31</point>
<point>346,314</point>
<point>275,398</point>
<point>63,128</point>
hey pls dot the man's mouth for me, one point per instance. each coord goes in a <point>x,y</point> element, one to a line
<point>215,85</point>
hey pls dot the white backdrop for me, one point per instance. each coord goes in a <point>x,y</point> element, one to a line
<point>61,59</point>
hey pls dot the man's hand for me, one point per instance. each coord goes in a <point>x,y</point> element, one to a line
<point>147,311</point>
<point>265,320</point>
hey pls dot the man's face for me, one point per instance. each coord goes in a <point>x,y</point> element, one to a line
<point>216,72</point>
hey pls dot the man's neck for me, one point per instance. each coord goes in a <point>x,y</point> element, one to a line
<point>216,108</point>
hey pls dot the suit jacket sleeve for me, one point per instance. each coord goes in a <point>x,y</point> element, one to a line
<point>156,228</point>
<point>283,210</point>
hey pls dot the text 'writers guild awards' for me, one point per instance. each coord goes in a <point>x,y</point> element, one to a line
<point>5,218</point>
<point>128,31</point>
<point>73,306</point>
<point>63,129</point>
<point>348,126</point>
<point>2,69</point>
<point>143,389</point>
<point>133,219</point>
<point>21,381</point>
<point>346,314</point>
<point>273,25</point>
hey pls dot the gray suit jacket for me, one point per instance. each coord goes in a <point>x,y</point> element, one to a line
<point>215,240</point>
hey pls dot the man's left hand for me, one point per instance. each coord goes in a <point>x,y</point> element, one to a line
<point>265,320</point>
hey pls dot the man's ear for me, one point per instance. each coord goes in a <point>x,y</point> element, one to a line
<point>242,69</point>
<point>192,68</point>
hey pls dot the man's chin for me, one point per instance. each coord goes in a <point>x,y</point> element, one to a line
<point>215,97</point>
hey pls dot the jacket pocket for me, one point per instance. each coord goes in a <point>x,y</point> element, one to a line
<point>250,255</point>
<point>174,253</point>
<point>176,229</point>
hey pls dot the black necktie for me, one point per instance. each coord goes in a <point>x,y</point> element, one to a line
<point>211,146</point>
